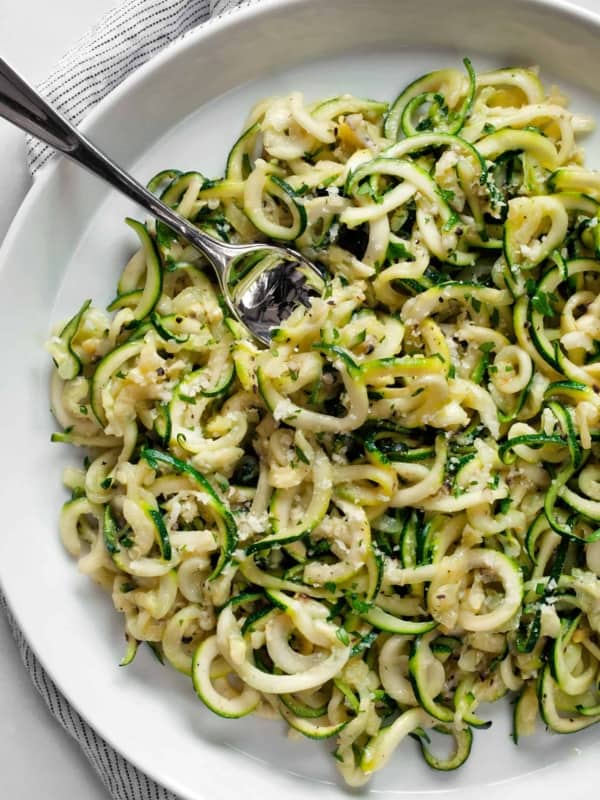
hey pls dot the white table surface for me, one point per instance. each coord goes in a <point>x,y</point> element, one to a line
<point>37,759</point>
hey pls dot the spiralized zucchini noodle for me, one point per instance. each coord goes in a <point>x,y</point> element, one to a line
<point>390,517</point>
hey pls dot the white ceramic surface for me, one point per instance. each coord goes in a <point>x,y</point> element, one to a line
<point>68,242</point>
<point>26,725</point>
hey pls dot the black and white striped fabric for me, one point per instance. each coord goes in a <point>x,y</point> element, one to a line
<point>124,39</point>
<point>121,41</point>
<point>122,780</point>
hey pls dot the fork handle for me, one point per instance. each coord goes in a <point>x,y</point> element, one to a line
<point>25,108</point>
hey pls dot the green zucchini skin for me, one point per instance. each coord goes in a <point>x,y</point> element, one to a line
<point>154,273</point>
<point>68,362</point>
<point>229,535</point>
<point>388,517</point>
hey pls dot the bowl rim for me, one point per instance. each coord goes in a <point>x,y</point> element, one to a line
<point>228,19</point>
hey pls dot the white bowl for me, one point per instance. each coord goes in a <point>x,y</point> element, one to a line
<point>184,109</point>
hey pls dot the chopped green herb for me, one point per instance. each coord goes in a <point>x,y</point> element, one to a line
<point>486,347</point>
<point>360,606</point>
<point>453,220</point>
<point>542,303</point>
<point>364,643</point>
<point>301,455</point>
<point>504,505</point>
<point>342,635</point>
<point>397,251</point>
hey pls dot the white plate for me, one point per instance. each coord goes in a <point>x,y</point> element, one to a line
<point>68,242</point>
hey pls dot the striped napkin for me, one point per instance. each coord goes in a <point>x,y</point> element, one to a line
<point>119,43</point>
<point>122,40</point>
